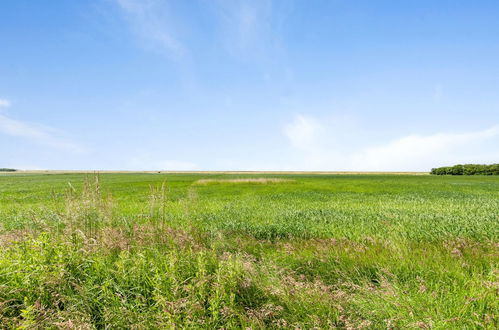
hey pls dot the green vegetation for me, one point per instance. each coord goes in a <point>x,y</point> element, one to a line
<point>468,169</point>
<point>3,169</point>
<point>162,251</point>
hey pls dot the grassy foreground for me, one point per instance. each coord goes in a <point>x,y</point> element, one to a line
<point>281,251</point>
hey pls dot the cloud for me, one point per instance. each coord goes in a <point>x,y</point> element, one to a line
<point>437,92</point>
<point>419,152</point>
<point>248,26</point>
<point>36,133</point>
<point>303,133</point>
<point>151,20</point>
<point>4,103</point>
<point>317,144</point>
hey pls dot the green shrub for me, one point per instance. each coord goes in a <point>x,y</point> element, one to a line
<point>467,169</point>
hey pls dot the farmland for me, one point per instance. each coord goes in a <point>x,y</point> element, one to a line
<point>253,250</point>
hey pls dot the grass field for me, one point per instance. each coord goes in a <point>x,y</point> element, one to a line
<point>248,250</point>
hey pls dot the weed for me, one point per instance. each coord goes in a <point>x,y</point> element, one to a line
<point>287,251</point>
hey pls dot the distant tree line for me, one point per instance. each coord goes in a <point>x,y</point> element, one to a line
<point>467,169</point>
<point>7,169</point>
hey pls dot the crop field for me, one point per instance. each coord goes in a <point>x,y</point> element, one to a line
<point>253,251</point>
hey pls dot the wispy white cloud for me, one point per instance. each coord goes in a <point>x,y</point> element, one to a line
<point>317,145</point>
<point>39,134</point>
<point>152,21</point>
<point>249,26</point>
<point>4,103</point>
<point>303,133</point>
<point>437,92</point>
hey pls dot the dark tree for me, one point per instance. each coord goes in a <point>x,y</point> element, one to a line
<point>467,169</point>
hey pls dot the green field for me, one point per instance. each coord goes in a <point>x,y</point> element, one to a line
<point>324,251</point>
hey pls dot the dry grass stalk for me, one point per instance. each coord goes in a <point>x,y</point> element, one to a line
<point>248,180</point>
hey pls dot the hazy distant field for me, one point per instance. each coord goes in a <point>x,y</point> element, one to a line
<point>249,250</point>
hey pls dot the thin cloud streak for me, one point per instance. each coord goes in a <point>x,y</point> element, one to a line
<point>37,134</point>
<point>151,20</point>
<point>247,26</point>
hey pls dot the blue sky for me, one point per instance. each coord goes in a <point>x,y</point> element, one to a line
<point>248,84</point>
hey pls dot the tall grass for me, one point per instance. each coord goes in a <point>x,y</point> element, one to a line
<point>120,251</point>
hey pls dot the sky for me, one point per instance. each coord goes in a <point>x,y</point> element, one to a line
<point>248,84</point>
